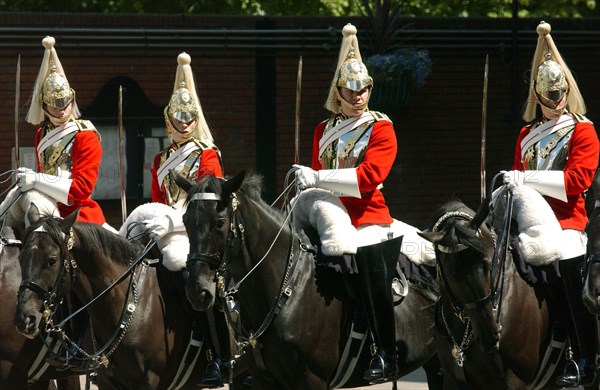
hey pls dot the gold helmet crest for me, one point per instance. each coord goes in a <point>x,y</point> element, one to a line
<point>551,79</point>
<point>51,86</point>
<point>350,73</point>
<point>184,104</point>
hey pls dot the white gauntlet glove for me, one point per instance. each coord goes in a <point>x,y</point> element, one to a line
<point>516,177</point>
<point>158,227</point>
<point>56,187</point>
<point>305,176</point>
<point>344,182</point>
<point>548,183</point>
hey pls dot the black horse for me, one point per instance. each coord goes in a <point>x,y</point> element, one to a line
<point>19,363</point>
<point>295,318</point>
<point>142,335</point>
<point>494,329</point>
<point>591,290</point>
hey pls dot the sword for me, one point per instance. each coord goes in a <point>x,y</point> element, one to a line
<point>121,156</point>
<point>483,126</point>
<point>17,98</point>
<point>297,123</point>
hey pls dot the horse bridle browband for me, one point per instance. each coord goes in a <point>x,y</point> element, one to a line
<point>479,303</point>
<point>68,265</point>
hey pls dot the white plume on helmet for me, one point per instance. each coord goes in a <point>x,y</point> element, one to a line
<point>184,85</point>
<point>349,64</point>
<point>50,66</point>
<point>545,45</point>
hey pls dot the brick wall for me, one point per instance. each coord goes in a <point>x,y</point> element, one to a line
<point>438,132</point>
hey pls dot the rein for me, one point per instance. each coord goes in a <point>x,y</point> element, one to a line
<point>285,289</point>
<point>497,273</point>
<point>100,357</point>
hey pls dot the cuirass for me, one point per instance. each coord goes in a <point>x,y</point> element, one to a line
<point>58,155</point>
<point>188,169</point>
<point>551,152</point>
<point>349,150</point>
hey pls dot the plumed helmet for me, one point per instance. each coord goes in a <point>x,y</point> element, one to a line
<point>551,79</point>
<point>350,71</point>
<point>184,104</point>
<point>56,91</point>
<point>51,86</point>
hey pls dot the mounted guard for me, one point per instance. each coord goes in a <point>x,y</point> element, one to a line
<point>557,154</point>
<point>353,153</point>
<point>68,149</point>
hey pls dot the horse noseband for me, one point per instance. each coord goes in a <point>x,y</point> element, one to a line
<point>213,261</point>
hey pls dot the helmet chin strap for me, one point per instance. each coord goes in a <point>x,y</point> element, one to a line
<point>346,103</point>
<point>58,120</point>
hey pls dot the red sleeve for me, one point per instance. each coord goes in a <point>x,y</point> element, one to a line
<point>38,136</point>
<point>582,161</point>
<point>157,194</point>
<point>315,163</point>
<point>210,164</point>
<point>86,156</point>
<point>379,157</point>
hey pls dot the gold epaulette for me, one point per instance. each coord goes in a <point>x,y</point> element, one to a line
<point>207,144</point>
<point>581,118</point>
<point>380,116</point>
<point>85,125</point>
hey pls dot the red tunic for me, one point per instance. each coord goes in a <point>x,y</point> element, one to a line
<point>86,155</point>
<point>210,164</point>
<point>580,169</point>
<point>371,172</point>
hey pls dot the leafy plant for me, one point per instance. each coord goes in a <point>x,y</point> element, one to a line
<point>413,65</point>
<point>389,58</point>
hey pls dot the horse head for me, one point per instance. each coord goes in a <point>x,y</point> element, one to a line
<point>208,220</point>
<point>464,252</point>
<point>45,261</point>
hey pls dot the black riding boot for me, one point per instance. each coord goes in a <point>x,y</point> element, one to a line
<point>581,327</point>
<point>217,370</point>
<point>213,375</point>
<point>376,266</point>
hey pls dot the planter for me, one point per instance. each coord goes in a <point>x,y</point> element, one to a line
<point>391,95</point>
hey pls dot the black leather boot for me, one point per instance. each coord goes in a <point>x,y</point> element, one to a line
<point>383,367</point>
<point>376,266</point>
<point>213,376</point>
<point>581,327</point>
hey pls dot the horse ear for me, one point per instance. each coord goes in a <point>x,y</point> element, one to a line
<point>67,223</point>
<point>181,181</point>
<point>433,237</point>
<point>33,215</point>
<point>232,185</point>
<point>481,215</point>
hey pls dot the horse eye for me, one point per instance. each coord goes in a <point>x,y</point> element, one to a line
<point>52,260</point>
<point>220,223</point>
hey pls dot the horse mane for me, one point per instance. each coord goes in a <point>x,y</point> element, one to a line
<point>94,238</point>
<point>251,188</point>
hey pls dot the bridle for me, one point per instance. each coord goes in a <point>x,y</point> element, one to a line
<point>496,264</point>
<point>50,298</point>
<point>237,230</point>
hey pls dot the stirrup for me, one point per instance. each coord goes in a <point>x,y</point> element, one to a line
<point>376,373</point>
